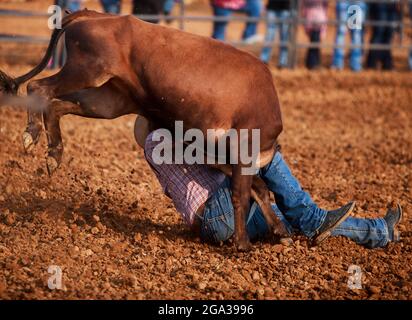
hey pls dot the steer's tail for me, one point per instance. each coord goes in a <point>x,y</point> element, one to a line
<point>8,85</point>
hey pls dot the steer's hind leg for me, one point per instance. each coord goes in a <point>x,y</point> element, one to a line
<point>52,117</point>
<point>241,192</point>
<point>260,193</point>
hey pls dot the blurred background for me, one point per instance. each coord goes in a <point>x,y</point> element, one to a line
<point>283,33</point>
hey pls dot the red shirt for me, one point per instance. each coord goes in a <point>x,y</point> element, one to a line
<point>229,4</point>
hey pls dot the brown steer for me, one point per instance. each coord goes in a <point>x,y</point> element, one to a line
<point>122,65</point>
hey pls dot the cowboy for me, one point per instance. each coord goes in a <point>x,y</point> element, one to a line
<point>202,196</point>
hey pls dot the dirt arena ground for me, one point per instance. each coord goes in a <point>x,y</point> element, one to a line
<point>103,219</point>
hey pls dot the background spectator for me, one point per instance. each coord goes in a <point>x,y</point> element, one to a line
<point>342,15</point>
<point>149,7</point>
<point>111,6</point>
<point>253,9</point>
<point>74,5</point>
<point>71,5</point>
<point>224,8</point>
<point>277,9</point>
<point>315,14</point>
<point>168,6</point>
<point>382,12</point>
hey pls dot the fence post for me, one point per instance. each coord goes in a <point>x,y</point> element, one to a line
<point>293,34</point>
<point>182,13</point>
<point>402,16</point>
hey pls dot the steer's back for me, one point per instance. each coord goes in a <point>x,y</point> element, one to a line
<point>200,74</point>
<point>184,76</point>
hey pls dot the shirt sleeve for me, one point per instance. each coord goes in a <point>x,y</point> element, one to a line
<point>157,168</point>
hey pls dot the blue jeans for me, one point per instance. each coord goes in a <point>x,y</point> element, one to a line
<point>219,27</point>
<point>293,206</point>
<point>168,6</point>
<point>266,54</point>
<point>252,8</point>
<point>72,5</point>
<point>111,6</point>
<point>382,34</point>
<point>355,59</point>
<point>313,58</point>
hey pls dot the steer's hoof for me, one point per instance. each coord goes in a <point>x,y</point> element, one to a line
<point>52,165</point>
<point>243,246</point>
<point>281,231</point>
<point>286,241</point>
<point>28,141</point>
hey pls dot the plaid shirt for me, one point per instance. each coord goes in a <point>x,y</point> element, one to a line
<point>189,186</point>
